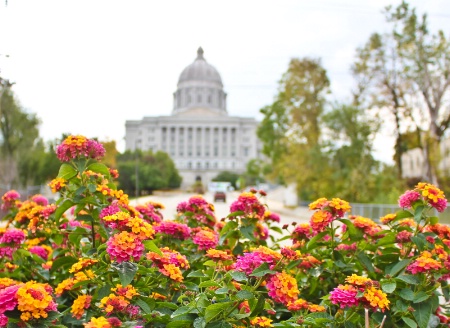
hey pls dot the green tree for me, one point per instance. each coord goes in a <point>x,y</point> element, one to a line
<point>291,127</point>
<point>19,135</point>
<point>152,171</point>
<point>354,167</point>
<point>408,70</point>
<point>227,176</point>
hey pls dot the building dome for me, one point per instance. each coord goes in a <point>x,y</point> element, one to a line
<point>200,86</point>
<point>200,70</point>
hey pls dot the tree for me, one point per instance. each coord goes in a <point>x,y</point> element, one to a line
<point>290,129</point>
<point>19,134</point>
<point>154,171</point>
<point>352,132</point>
<point>227,176</point>
<point>410,70</point>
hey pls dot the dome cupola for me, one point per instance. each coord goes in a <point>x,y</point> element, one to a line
<point>200,86</point>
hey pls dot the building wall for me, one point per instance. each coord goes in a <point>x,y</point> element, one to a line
<point>200,146</point>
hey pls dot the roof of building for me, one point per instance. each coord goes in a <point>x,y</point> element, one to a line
<point>200,70</point>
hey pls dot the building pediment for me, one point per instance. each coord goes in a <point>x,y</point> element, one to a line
<point>201,112</point>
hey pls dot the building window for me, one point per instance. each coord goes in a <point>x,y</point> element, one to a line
<point>245,151</point>
<point>199,98</point>
<point>209,99</point>
<point>215,165</point>
<point>207,165</point>
<point>199,166</point>
<point>189,165</point>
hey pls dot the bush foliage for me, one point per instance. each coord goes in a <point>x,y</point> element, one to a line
<point>93,260</point>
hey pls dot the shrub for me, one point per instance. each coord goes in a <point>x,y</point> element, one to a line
<point>94,260</point>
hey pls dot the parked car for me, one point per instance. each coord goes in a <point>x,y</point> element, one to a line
<point>220,195</point>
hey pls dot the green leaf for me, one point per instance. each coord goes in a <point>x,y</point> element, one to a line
<point>313,242</point>
<point>181,310</point>
<point>179,323</point>
<point>259,306</point>
<point>66,172</point>
<point>403,214</point>
<point>63,262</point>
<point>262,270</point>
<point>433,220</point>
<point>126,271</point>
<point>410,322</point>
<point>237,275</point>
<point>420,297</point>
<point>388,286</point>
<point>396,268</point>
<point>354,233</point>
<point>209,283</point>
<point>420,242</point>
<point>168,305</point>
<point>220,291</point>
<point>62,209</point>
<point>406,294</point>
<point>365,261</point>
<point>199,323</point>
<point>422,313</point>
<point>104,291</point>
<point>418,213</point>
<point>150,246</point>
<point>386,240</point>
<point>410,279</point>
<point>219,324</point>
<point>99,168</point>
<point>248,232</point>
<point>244,295</point>
<point>198,273</point>
<point>215,310</point>
<point>58,239</point>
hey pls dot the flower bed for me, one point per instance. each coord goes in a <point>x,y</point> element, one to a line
<point>93,260</point>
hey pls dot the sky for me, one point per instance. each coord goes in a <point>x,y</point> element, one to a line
<point>87,66</point>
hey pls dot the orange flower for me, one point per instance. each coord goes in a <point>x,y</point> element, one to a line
<point>79,305</point>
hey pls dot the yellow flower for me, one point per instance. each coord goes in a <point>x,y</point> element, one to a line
<point>79,305</point>
<point>261,322</point>
<point>376,298</point>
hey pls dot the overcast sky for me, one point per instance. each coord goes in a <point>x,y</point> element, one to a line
<point>87,66</point>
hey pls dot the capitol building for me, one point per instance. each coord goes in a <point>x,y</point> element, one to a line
<point>199,135</point>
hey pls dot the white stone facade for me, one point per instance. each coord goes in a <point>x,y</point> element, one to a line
<point>200,136</point>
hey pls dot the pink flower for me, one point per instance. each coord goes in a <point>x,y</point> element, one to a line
<point>9,199</point>
<point>124,246</point>
<point>74,147</point>
<point>7,251</point>
<point>206,239</point>
<point>39,251</point>
<point>408,198</point>
<point>8,300</point>
<point>282,288</point>
<point>13,236</point>
<point>3,320</point>
<point>248,203</point>
<point>109,210</point>
<point>40,200</point>
<point>251,260</point>
<point>403,236</point>
<point>440,205</point>
<point>344,296</point>
<point>175,229</point>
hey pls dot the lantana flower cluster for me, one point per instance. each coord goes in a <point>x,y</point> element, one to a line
<point>114,264</point>
<point>360,291</point>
